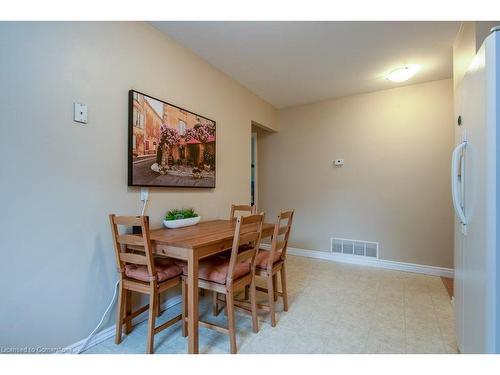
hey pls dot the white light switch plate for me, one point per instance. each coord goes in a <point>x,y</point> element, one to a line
<point>80,114</point>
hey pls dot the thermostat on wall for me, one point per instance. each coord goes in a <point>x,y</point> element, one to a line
<point>338,162</point>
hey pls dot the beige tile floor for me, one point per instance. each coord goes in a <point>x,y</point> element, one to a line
<point>334,308</point>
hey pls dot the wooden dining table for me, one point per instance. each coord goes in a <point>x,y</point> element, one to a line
<point>192,244</point>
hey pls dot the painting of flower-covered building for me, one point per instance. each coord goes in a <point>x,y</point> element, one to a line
<point>169,146</point>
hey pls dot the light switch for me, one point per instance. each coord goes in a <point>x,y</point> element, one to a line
<point>80,113</point>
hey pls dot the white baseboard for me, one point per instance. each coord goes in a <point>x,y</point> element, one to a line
<point>110,331</point>
<point>365,261</point>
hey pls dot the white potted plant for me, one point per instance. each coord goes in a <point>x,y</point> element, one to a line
<point>181,218</point>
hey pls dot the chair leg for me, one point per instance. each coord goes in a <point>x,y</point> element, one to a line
<point>231,321</point>
<point>215,306</point>
<point>158,308</point>
<point>184,309</point>
<point>253,304</point>
<point>270,293</point>
<point>284,288</point>
<point>128,310</point>
<point>275,286</point>
<point>151,322</point>
<point>119,314</point>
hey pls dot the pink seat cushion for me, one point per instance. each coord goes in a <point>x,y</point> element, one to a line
<point>166,269</point>
<point>215,269</point>
<point>262,258</point>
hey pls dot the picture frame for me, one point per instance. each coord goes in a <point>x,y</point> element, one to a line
<point>169,146</point>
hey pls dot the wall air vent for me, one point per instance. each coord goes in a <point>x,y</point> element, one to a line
<point>354,247</point>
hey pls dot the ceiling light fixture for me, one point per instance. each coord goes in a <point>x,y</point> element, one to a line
<point>403,74</point>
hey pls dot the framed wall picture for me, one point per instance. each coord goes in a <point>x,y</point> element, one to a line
<point>168,145</point>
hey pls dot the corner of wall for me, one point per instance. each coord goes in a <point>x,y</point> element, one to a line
<point>469,39</point>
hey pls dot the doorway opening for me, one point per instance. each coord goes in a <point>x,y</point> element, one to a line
<point>253,170</point>
<point>258,143</point>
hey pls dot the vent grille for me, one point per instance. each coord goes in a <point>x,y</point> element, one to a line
<point>354,247</point>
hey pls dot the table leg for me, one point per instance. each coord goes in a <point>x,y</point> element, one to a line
<point>192,285</point>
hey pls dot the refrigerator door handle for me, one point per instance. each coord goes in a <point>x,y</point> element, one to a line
<point>455,193</point>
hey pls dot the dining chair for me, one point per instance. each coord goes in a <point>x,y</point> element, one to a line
<point>270,263</point>
<point>228,276</point>
<point>235,208</point>
<point>140,272</point>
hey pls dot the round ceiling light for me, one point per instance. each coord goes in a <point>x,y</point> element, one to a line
<point>403,74</point>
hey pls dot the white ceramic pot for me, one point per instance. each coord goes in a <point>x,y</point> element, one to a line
<point>181,222</point>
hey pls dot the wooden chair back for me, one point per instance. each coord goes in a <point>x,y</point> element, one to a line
<point>125,243</point>
<point>280,237</point>
<point>252,210</point>
<point>251,240</point>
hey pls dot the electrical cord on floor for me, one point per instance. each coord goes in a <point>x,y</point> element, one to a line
<point>82,348</point>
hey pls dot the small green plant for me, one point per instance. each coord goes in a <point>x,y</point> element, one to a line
<point>177,214</point>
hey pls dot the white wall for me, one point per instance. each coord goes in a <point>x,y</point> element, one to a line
<point>60,180</point>
<point>394,186</point>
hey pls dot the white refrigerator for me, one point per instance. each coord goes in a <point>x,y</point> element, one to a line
<point>475,174</point>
